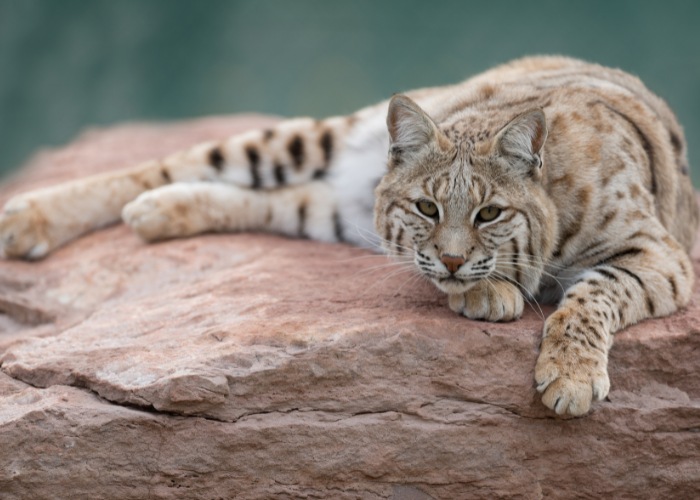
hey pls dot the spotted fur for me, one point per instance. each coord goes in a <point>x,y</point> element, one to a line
<point>544,178</point>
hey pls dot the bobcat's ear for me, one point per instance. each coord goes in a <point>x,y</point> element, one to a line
<point>410,128</point>
<point>523,139</point>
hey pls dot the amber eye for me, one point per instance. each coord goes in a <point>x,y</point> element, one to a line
<point>487,214</point>
<point>428,208</point>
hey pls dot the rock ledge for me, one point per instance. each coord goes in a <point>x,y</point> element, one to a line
<point>253,366</point>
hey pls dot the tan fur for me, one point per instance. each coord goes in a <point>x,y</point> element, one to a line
<point>608,217</point>
<point>584,168</point>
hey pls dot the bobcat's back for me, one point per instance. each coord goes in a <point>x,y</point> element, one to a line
<point>610,140</point>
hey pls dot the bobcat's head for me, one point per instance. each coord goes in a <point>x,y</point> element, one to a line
<point>464,209</point>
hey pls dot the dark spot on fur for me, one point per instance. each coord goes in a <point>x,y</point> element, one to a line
<point>675,142</point>
<point>607,218</point>
<point>326,143</point>
<point>674,288</point>
<point>296,151</point>
<point>216,159</point>
<point>650,306</point>
<point>165,175</point>
<point>254,164</point>
<point>280,176</point>
<point>301,214</point>
<point>338,227</point>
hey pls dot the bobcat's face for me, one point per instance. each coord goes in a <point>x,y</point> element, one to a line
<point>462,213</point>
<point>453,222</point>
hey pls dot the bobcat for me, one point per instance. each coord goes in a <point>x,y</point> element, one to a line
<point>545,178</point>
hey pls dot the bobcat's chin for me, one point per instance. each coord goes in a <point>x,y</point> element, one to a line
<point>453,285</point>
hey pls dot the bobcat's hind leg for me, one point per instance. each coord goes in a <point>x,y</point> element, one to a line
<point>33,224</point>
<point>180,210</point>
<point>292,152</point>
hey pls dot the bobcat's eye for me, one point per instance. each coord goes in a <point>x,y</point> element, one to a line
<point>487,214</point>
<point>428,208</point>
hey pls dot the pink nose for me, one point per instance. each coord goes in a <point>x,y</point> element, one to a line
<point>452,262</point>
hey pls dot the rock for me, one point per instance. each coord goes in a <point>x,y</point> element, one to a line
<point>254,366</point>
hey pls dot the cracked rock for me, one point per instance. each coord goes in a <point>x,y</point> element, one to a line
<point>254,366</point>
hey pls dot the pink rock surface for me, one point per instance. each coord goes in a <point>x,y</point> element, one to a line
<point>253,366</point>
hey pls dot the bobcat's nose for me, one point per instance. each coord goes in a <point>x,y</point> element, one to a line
<point>452,262</point>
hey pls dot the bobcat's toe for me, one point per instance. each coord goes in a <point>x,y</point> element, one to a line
<point>569,385</point>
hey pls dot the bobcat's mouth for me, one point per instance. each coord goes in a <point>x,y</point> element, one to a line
<point>452,279</point>
<point>452,284</point>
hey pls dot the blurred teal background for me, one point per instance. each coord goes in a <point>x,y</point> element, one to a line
<point>69,64</point>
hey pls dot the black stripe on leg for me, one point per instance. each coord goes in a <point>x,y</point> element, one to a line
<point>280,175</point>
<point>301,213</point>
<point>607,274</point>
<point>650,303</point>
<point>216,159</point>
<point>254,163</point>
<point>630,274</point>
<point>296,151</point>
<point>326,143</point>
<point>338,227</point>
<point>620,254</point>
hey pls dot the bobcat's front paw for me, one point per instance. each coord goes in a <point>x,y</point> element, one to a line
<point>162,214</point>
<point>148,217</point>
<point>23,231</point>
<point>569,373</point>
<point>491,301</point>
